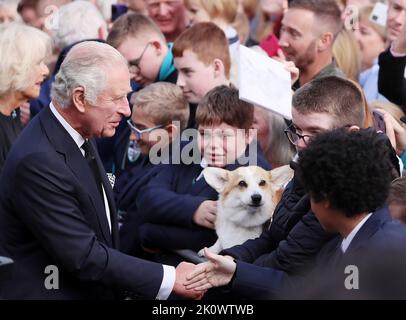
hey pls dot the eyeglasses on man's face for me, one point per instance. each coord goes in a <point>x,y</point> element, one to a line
<point>138,133</point>
<point>134,64</point>
<point>294,136</point>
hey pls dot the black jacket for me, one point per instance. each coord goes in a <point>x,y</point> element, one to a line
<point>293,239</point>
<point>52,213</point>
<point>392,78</point>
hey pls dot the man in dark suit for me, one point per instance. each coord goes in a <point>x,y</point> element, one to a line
<point>56,205</point>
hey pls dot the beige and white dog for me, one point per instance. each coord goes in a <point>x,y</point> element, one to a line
<point>247,199</point>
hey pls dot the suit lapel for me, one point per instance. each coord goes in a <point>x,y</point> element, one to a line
<point>74,159</point>
<point>370,227</point>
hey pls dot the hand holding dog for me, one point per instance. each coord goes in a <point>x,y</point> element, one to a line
<point>216,272</point>
<point>205,215</point>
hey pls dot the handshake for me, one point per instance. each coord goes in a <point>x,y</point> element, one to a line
<point>192,281</point>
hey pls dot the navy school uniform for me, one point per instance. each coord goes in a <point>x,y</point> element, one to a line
<point>167,205</point>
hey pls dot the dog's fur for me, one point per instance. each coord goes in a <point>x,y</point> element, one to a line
<point>247,199</point>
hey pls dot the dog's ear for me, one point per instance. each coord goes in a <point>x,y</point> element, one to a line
<point>280,176</point>
<point>216,178</point>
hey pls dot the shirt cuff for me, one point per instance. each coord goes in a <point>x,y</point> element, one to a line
<point>167,284</point>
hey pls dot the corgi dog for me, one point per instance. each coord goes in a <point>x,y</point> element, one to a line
<point>247,199</point>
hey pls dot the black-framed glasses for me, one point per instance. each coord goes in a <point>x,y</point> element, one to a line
<point>138,133</point>
<point>294,136</point>
<point>135,63</point>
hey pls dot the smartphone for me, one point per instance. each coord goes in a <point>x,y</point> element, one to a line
<point>379,122</point>
<point>379,14</point>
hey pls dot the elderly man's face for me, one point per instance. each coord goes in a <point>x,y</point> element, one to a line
<point>169,15</point>
<point>102,118</point>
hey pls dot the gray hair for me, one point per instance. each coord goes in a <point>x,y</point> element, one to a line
<point>77,21</point>
<point>104,7</point>
<point>280,149</point>
<point>86,65</point>
<point>21,49</point>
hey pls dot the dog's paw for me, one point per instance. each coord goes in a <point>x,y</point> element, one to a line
<point>201,253</point>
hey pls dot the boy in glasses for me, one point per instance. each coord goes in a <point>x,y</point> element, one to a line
<point>160,113</point>
<point>144,46</point>
<point>150,60</point>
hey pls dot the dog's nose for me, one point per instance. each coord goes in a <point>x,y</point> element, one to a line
<point>256,198</point>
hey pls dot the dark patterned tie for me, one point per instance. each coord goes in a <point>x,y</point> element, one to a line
<point>91,160</point>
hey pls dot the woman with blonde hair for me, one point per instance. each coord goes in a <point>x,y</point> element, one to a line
<point>347,55</point>
<point>371,38</point>
<point>23,50</point>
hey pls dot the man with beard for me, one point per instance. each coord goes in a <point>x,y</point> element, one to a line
<point>309,28</point>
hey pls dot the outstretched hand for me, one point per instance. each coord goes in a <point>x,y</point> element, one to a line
<point>217,271</point>
<point>183,269</point>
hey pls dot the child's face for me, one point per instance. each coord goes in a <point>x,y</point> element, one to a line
<point>222,144</point>
<point>196,13</point>
<point>194,77</point>
<point>149,59</point>
<point>146,140</point>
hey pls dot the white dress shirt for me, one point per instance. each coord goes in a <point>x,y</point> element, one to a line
<point>347,241</point>
<point>169,277</point>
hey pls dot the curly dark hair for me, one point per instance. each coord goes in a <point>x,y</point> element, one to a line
<point>352,170</point>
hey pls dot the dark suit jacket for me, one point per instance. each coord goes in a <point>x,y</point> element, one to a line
<point>377,250</point>
<point>378,253</point>
<point>51,213</point>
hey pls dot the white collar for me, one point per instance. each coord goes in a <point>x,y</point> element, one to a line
<point>79,140</point>
<point>347,241</point>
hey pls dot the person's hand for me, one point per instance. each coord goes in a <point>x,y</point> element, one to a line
<point>216,272</point>
<point>289,66</point>
<point>205,215</point>
<point>395,132</point>
<point>179,288</point>
<point>25,113</point>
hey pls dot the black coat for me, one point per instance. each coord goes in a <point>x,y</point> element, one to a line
<point>293,239</point>
<point>51,213</point>
<point>392,78</point>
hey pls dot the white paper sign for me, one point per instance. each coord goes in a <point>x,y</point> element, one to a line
<point>379,14</point>
<point>264,82</point>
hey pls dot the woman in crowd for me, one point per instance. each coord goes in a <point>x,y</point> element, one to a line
<point>23,50</point>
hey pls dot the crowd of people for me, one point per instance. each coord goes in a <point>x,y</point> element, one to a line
<point>110,110</point>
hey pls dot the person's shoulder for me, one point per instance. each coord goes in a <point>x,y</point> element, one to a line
<point>393,232</point>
